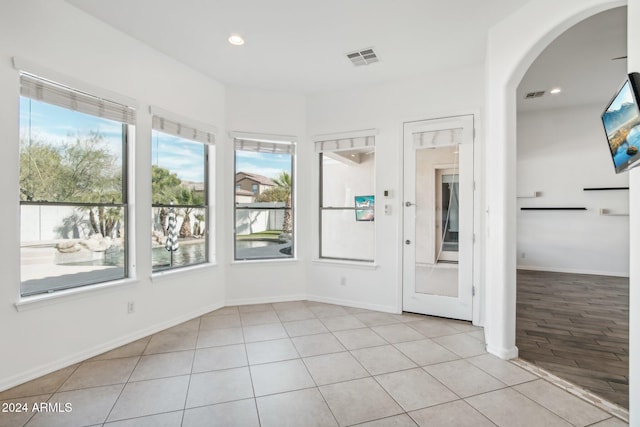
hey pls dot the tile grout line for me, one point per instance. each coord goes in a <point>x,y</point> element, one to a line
<point>316,387</point>
<point>193,362</point>
<point>585,395</point>
<point>115,402</point>
<point>246,355</point>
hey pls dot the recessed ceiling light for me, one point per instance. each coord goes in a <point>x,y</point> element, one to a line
<point>236,39</point>
<point>555,91</point>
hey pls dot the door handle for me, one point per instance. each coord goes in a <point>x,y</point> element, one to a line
<point>407,242</point>
<point>409,204</point>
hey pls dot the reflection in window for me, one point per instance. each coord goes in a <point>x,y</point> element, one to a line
<point>180,213</point>
<point>264,225</point>
<point>73,198</point>
<point>347,201</point>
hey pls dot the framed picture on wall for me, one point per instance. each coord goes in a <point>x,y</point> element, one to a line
<point>365,208</point>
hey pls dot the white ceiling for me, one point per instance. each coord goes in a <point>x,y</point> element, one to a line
<point>299,45</point>
<point>580,62</point>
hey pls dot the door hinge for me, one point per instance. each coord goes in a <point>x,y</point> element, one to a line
<point>473,291</point>
<point>473,238</point>
<point>474,186</point>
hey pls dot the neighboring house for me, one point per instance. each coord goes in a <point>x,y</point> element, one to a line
<point>254,183</point>
<point>244,196</point>
<point>198,187</point>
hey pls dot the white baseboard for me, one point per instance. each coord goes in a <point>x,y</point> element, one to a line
<point>31,374</point>
<point>503,353</point>
<point>355,304</point>
<point>264,300</point>
<point>573,271</point>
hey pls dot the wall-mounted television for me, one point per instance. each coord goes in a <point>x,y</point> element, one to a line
<point>621,120</point>
<point>365,208</point>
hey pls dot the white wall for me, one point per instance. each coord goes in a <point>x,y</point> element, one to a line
<point>384,108</point>
<point>560,152</point>
<point>513,45</point>
<point>49,335</point>
<point>633,43</point>
<point>275,113</point>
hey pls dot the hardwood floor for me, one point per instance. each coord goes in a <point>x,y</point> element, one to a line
<point>576,327</point>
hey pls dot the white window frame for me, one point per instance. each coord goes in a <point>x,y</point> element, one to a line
<point>89,93</point>
<point>337,142</point>
<point>171,123</point>
<point>266,143</point>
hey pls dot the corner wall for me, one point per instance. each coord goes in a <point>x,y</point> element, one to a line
<point>384,107</point>
<point>513,45</point>
<point>47,336</point>
<point>265,113</point>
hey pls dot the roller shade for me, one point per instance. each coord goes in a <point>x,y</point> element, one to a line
<point>52,93</point>
<point>345,143</point>
<point>182,130</point>
<point>438,138</point>
<point>264,146</point>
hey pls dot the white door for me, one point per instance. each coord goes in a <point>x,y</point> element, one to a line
<point>438,217</point>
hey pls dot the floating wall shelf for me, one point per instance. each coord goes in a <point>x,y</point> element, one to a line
<point>533,195</point>
<point>604,188</point>
<point>607,212</point>
<point>554,209</point>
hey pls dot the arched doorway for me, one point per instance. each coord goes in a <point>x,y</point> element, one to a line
<point>513,45</point>
<point>573,265</point>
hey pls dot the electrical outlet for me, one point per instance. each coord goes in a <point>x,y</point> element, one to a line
<point>131,307</point>
<point>343,281</point>
<point>523,255</point>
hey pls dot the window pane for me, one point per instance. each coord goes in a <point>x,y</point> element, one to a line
<point>179,193</point>
<point>189,251</point>
<point>73,198</point>
<point>345,175</point>
<point>348,232</point>
<point>60,247</point>
<point>264,206</point>
<point>345,238</point>
<point>67,156</point>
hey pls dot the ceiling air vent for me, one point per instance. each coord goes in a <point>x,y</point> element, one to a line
<point>363,57</point>
<point>532,95</point>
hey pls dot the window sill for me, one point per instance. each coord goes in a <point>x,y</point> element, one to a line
<point>36,301</point>
<point>365,265</point>
<point>166,274</point>
<point>264,261</point>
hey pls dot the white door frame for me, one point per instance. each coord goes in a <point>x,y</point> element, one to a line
<point>426,124</point>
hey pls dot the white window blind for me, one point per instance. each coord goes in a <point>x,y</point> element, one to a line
<point>345,143</point>
<point>53,93</point>
<point>182,130</point>
<point>438,138</point>
<point>265,146</point>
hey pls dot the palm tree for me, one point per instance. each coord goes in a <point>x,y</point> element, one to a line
<point>283,181</point>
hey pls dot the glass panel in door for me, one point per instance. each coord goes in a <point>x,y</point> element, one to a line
<point>448,214</point>
<point>436,237</point>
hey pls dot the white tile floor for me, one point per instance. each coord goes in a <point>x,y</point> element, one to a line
<point>302,364</point>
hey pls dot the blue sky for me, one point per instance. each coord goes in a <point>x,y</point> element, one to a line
<point>266,164</point>
<point>182,156</point>
<point>624,98</point>
<point>56,125</point>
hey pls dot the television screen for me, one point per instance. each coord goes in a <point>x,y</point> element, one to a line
<point>621,120</point>
<point>365,208</point>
